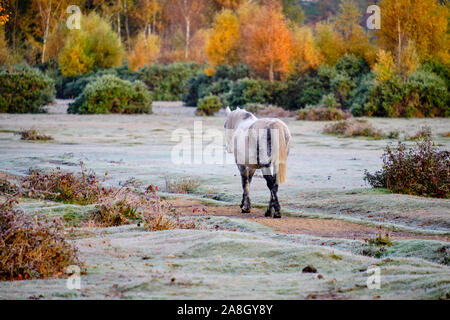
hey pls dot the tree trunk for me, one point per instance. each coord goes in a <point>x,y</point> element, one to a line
<point>399,49</point>
<point>47,27</point>
<point>188,36</point>
<point>271,71</point>
<point>118,25</point>
<point>127,26</point>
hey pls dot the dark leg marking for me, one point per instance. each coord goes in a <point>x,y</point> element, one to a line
<point>245,178</point>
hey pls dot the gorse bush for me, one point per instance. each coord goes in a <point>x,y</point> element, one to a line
<point>208,105</point>
<point>109,94</point>
<point>167,82</point>
<point>24,90</point>
<point>219,83</point>
<point>30,247</point>
<point>423,94</point>
<point>421,170</point>
<point>71,87</point>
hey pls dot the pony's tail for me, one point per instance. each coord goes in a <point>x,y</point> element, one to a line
<point>281,153</point>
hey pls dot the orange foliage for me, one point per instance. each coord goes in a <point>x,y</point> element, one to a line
<point>268,42</point>
<point>145,52</point>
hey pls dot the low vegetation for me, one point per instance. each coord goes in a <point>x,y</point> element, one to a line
<point>31,247</point>
<point>24,90</point>
<point>34,135</point>
<point>112,206</point>
<point>421,170</point>
<point>353,128</point>
<point>110,94</point>
<point>181,185</point>
<point>322,114</point>
<point>208,106</point>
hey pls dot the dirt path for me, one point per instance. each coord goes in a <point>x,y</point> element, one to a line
<point>297,225</point>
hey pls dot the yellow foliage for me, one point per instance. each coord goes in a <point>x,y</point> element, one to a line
<point>409,60</point>
<point>385,66</point>
<point>329,42</point>
<point>4,51</point>
<point>306,54</point>
<point>146,51</point>
<point>424,22</point>
<point>223,41</point>
<point>95,45</point>
<point>355,39</point>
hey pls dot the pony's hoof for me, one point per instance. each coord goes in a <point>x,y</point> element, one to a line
<point>268,213</point>
<point>245,210</point>
<point>277,215</point>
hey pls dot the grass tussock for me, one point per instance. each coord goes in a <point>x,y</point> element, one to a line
<point>76,188</point>
<point>353,128</point>
<point>421,170</point>
<point>422,133</point>
<point>112,206</point>
<point>31,248</point>
<point>181,185</point>
<point>322,114</point>
<point>34,135</point>
<point>275,112</point>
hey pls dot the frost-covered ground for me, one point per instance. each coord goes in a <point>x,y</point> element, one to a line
<point>325,181</point>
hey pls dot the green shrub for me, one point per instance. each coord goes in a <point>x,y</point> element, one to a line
<point>24,89</point>
<point>208,105</point>
<point>109,94</point>
<point>424,94</point>
<point>248,91</point>
<point>427,95</point>
<point>220,84</point>
<point>168,82</point>
<point>419,170</point>
<point>361,95</point>
<point>352,66</point>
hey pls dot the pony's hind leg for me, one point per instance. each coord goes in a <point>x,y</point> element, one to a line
<point>274,206</point>
<point>246,177</point>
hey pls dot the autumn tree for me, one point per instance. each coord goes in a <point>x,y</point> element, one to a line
<point>268,42</point>
<point>384,68</point>
<point>306,54</point>
<point>94,46</point>
<point>144,14</point>
<point>3,15</point>
<point>188,14</point>
<point>223,41</point>
<point>355,39</point>
<point>228,4</point>
<point>424,22</point>
<point>145,52</point>
<point>47,14</point>
<point>293,11</point>
<point>329,43</point>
